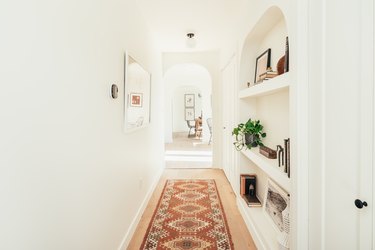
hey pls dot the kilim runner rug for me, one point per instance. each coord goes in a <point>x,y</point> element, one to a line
<point>189,215</point>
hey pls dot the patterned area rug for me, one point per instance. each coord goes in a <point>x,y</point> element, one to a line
<point>189,216</point>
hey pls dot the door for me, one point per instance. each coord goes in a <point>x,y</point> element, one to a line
<point>228,100</point>
<point>348,119</point>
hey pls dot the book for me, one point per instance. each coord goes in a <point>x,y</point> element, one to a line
<point>252,201</point>
<point>267,76</point>
<point>246,181</point>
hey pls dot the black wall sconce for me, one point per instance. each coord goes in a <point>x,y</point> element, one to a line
<point>114,91</point>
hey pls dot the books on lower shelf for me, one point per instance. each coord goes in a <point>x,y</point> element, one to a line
<point>251,201</point>
<point>248,190</point>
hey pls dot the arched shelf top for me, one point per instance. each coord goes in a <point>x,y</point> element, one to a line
<point>270,31</point>
<point>268,20</point>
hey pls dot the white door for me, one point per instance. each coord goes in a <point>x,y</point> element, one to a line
<point>228,100</point>
<point>348,118</point>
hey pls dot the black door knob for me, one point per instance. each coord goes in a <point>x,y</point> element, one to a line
<point>360,204</point>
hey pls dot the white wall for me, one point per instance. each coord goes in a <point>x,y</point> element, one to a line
<point>211,61</point>
<point>69,176</point>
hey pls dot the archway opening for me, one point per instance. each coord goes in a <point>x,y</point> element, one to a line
<point>188,111</point>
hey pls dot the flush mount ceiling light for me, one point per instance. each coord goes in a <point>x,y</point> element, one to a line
<point>190,40</point>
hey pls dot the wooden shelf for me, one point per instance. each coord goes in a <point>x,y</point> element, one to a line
<point>261,228</point>
<point>267,87</point>
<point>270,167</point>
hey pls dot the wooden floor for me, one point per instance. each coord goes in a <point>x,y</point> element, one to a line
<point>240,235</point>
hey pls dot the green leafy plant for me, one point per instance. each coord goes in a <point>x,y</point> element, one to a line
<point>248,134</point>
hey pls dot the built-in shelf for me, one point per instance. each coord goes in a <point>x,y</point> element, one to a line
<point>270,167</point>
<point>261,228</point>
<point>267,87</point>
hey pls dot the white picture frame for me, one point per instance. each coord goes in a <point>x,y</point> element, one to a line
<point>189,100</point>
<point>189,114</point>
<point>276,200</point>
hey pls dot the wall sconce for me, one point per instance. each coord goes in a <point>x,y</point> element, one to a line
<point>114,91</point>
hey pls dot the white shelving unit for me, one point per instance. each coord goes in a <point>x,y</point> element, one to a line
<point>270,167</point>
<point>268,102</point>
<point>265,234</point>
<point>267,87</point>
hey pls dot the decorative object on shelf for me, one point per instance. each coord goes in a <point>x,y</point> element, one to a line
<point>248,84</point>
<point>248,190</point>
<point>262,63</point>
<point>114,91</point>
<point>137,95</point>
<point>286,62</point>
<point>281,65</point>
<point>280,155</point>
<point>276,201</point>
<point>189,114</point>
<point>269,74</point>
<point>287,156</point>
<point>189,100</point>
<point>248,134</point>
<point>267,152</point>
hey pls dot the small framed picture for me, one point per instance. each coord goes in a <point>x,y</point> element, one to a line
<point>189,100</point>
<point>136,99</point>
<point>262,63</point>
<point>276,205</point>
<point>189,114</point>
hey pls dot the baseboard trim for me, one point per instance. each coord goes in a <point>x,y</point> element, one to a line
<point>129,234</point>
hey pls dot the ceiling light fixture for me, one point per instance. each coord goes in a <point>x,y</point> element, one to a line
<point>190,40</point>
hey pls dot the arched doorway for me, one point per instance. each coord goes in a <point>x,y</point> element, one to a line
<point>184,151</point>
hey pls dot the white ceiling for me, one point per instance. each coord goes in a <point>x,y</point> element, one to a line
<point>213,22</point>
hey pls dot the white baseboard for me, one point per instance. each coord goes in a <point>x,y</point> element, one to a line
<point>129,234</point>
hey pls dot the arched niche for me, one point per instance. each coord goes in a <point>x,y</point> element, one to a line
<point>269,32</point>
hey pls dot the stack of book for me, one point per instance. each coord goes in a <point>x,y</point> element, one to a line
<point>267,75</point>
<point>248,190</point>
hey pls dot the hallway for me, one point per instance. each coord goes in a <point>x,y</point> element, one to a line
<point>238,230</point>
<point>186,152</point>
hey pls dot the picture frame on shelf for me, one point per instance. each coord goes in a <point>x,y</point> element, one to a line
<point>189,114</point>
<point>275,202</point>
<point>189,100</point>
<point>136,99</point>
<point>261,64</point>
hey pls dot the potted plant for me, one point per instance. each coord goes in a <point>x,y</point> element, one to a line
<point>248,134</point>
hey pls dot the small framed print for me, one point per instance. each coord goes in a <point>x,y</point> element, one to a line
<point>262,63</point>
<point>189,114</point>
<point>276,205</point>
<point>189,100</point>
<point>136,100</point>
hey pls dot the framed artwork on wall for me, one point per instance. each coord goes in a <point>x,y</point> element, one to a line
<point>189,100</point>
<point>136,99</point>
<point>276,203</point>
<point>262,63</point>
<point>189,114</point>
